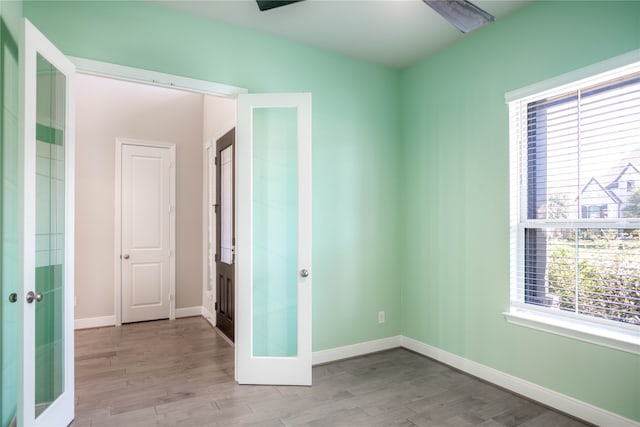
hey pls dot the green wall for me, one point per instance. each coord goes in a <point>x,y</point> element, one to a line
<point>355,139</point>
<point>456,196</point>
<point>10,14</point>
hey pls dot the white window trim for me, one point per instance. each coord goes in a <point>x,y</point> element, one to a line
<point>620,337</point>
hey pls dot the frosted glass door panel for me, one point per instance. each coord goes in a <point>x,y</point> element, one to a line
<point>50,232</point>
<point>226,210</point>
<point>275,228</point>
<point>9,227</point>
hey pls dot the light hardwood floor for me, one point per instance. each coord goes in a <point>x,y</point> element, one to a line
<point>167,373</point>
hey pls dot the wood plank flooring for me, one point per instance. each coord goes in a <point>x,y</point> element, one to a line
<point>180,373</point>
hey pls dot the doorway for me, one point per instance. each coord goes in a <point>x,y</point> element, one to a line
<point>278,118</point>
<point>111,109</point>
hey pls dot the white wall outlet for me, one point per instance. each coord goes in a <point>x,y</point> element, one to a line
<point>381,317</point>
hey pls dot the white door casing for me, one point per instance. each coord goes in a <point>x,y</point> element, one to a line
<point>57,174</point>
<point>253,365</point>
<point>147,230</point>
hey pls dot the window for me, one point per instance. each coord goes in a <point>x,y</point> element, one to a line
<point>575,249</point>
<point>594,211</point>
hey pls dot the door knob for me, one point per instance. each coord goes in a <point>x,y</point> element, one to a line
<point>31,296</point>
<point>304,273</point>
<point>125,256</point>
<point>13,297</point>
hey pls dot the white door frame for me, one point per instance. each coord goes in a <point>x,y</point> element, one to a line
<point>118,223</point>
<point>208,224</point>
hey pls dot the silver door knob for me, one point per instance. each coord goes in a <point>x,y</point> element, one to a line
<point>31,296</point>
<point>126,256</point>
<point>304,273</point>
<point>13,297</point>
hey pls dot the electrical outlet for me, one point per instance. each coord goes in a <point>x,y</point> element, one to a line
<point>381,317</point>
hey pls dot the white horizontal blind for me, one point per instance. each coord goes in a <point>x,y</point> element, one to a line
<point>575,200</point>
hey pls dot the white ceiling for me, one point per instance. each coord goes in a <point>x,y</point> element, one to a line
<point>395,33</point>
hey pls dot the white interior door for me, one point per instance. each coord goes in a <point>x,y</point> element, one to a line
<point>147,211</point>
<point>46,394</point>
<point>273,250</point>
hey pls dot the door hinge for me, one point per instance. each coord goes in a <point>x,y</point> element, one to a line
<point>215,160</point>
<point>215,306</point>
<point>216,258</point>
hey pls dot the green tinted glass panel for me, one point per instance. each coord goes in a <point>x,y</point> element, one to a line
<point>50,234</point>
<point>275,232</point>
<point>9,202</point>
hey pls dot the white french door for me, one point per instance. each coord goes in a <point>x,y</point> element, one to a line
<point>45,297</point>
<point>273,250</point>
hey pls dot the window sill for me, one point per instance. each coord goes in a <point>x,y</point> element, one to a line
<point>616,338</point>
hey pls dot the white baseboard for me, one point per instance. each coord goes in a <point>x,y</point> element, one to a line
<point>189,311</point>
<point>338,353</point>
<point>94,322</point>
<point>97,322</point>
<point>525,388</point>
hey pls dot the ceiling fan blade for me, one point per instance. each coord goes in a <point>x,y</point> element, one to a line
<point>463,14</point>
<point>272,4</point>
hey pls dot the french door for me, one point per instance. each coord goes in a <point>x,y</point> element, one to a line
<point>45,296</point>
<point>273,251</point>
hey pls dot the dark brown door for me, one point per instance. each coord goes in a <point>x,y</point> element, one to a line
<point>225,233</point>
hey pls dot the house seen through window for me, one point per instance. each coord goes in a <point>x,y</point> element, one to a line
<point>575,208</point>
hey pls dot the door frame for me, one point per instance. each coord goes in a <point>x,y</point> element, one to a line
<point>117,262</point>
<point>154,78</point>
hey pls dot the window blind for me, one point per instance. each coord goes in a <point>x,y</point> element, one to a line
<point>575,200</point>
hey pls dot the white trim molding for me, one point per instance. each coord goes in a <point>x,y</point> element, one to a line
<point>102,321</point>
<point>189,311</point>
<point>525,388</point>
<point>354,350</point>
<point>95,322</point>
<point>154,78</point>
